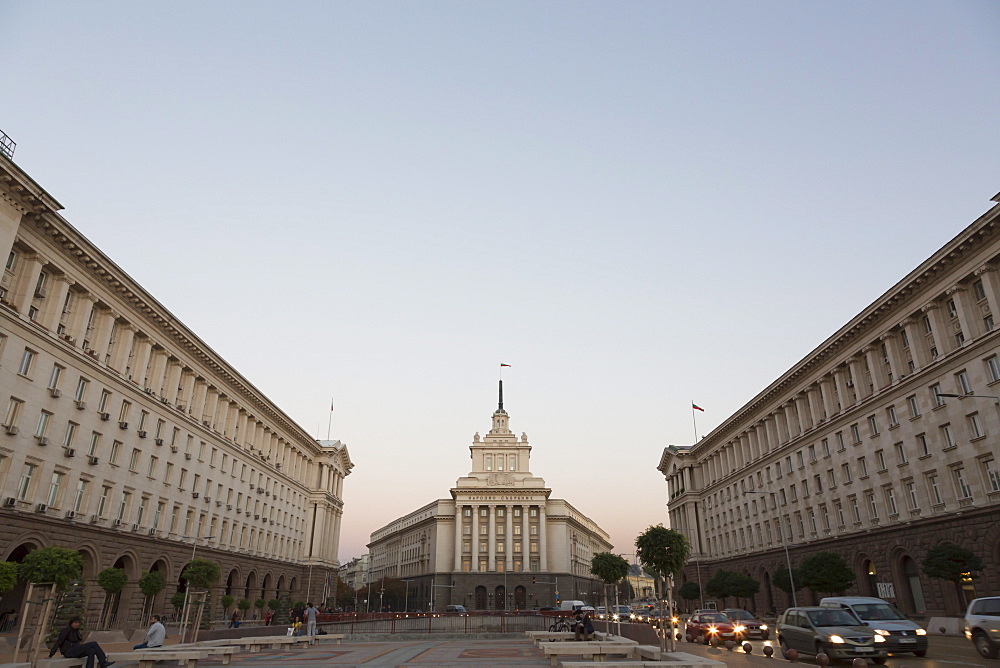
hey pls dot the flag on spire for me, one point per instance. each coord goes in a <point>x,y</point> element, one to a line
<point>331,405</point>
<point>696,407</point>
<point>502,364</point>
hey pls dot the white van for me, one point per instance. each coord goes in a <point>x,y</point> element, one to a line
<point>901,634</point>
<point>572,605</point>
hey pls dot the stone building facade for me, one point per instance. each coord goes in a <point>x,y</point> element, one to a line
<point>125,436</point>
<point>499,543</point>
<point>858,449</point>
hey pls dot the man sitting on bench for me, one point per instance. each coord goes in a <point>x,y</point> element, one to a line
<point>584,628</point>
<point>70,644</point>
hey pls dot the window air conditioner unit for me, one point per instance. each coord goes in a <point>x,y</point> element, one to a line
<point>105,416</point>
<point>256,517</point>
<point>218,504</point>
<point>164,400</point>
<point>81,405</point>
<point>251,485</point>
<point>11,429</point>
<point>9,502</point>
<point>260,490</point>
<point>70,514</point>
<point>142,434</point>
<point>180,407</point>
<point>195,495</point>
<point>152,532</point>
<point>42,440</point>
<point>187,455</point>
<point>41,508</point>
<point>70,452</point>
<point>208,499</point>
<point>229,507</point>
<point>92,460</point>
<point>55,392</point>
<point>850,383</point>
<point>173,448</point>
<point>159,441</point>
<point>116,523</point>
<point>123,425</point>
<point>149,390</point>
<point>94,519</point>
<point>206,423</point>
<point>135,527</point>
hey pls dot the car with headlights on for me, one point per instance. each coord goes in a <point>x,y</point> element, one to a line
<point>833,631</point>
<point>901,633</point>
<point>708,626</point>
<point>747,623</point>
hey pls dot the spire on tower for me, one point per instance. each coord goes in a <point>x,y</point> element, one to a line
<point>500,407</point>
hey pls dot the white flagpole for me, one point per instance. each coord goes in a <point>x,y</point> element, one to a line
<point>329,424</point>
<point>694,420</point>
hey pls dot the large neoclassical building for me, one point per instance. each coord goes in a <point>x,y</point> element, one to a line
<point>880,444</point>
<point>128,438</point>
<point>498,543</point>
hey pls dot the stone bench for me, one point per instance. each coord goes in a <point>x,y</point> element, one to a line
<point>651,652</point>
<point>225,651</point>
<point>256,643</point>
<point>147,658</point>
<point>595,649</point>
<point>335,638</point>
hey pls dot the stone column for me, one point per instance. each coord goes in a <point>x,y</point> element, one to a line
<point>876,367</point>
<point>509,547</point>
<point>77,329</point>
<point>24,290</point>
<point>141,347</point>
<point>919,352</point>
<point>458,537</point>
<point>475,539</point>
<point>991,286</point>
<point>525,540</point>
<point>897,366</point>
<point>54,300</point>
<point>844,396</point>
<point>971,326</point>
<point>100,340</point>
<point>198,397</point>
<point>122,347</point>
<point>781,425</point>
<point>171,385</point>
<point>543,532</point>
<point>862,389</point>
<point>939,328</point>
<point>491,565</point>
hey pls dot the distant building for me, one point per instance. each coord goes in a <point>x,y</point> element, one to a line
<point>858,448</point>
<point>355,572</point>
<point>498,543</point>
<point>125,436</point>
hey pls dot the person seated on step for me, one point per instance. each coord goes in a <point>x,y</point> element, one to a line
<point>70,644</point>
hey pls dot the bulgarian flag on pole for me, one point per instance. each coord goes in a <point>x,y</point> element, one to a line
<point>696,407</point>
<point>502,364</point>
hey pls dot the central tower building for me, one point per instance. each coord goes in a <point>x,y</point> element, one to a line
<point>499,543</point>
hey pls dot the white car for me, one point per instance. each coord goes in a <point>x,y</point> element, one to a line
<point>982,626</point>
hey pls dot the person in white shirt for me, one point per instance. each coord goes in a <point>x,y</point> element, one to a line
<point>154,636</point>
<point>310,615</point>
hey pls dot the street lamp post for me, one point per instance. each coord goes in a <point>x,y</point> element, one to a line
<point>406,598</point>
<point>784,544</point>
<point>184,610</point>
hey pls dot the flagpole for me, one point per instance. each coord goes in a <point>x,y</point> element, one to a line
<point>329,423</point>
<point>694,420</point>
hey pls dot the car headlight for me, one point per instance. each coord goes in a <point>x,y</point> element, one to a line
<point>879,638</point>
<point>739,628</point>
<point>614,617</point>
<point>673,619</point>
<point>836,640</point>
<point>712,629</point>
<point>881,632</point>
<point>763,627</point>
<point>921,632</point>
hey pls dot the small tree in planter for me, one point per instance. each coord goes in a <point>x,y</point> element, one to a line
<point>952,563</point>
<point>662,552</point>
<point>273,604</point>
<point>201,574</point>
<point>825,573</point>
<point>8,576</point>
<point>259,604</point>
<point>610,569</point>
<point>55,566</point>
<point>151,584</point>
<point>690,591</point>
<point>227,602</point>
<point>177,600</point>
<point>112,581</point>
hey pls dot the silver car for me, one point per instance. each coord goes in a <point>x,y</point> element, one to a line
<point>982,626</point>
<point>837,633</point>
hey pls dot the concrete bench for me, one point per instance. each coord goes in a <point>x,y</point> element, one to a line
<point>541,637</point>
<point>225,651</point>
<point>256,643</point>
<point>147,658</point>
<point>672,659</point>
<point>60,663</point>
<point>595,649</point>
<point>15,665</point>
<point>651,652</point>
<point>335,638</point>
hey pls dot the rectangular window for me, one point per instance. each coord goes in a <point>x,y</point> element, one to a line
<point>846,471</point>
<point>167,472</point>
<point>855,509</point>
<point>962,382</point>
<point>978,290</point>
<point>923,447</point>
<point>26,359</point>
<point>840,441</point>
<point>993,368</point>
<point>900,453</point>
<point>182,479</point>
<point>832,478</point>
<point>914,406</point>
<point>489,462</point>
<point>911,495</point>
<point>873,506</point>
<point>24,483</point>
<point>43,424</point>
<point>123,413</point>
<point>961,484</point>
<point>825,445</point>
<point>890,501</point>
<point>975,425</point>
<point>13,411</point>
<point>991,475</point>
<point>818,482</point>
<point>115,451</point>
<point>151,471</point>
<point>890,416</point>
<point>862,467</point>
<point>133,462</point>
<point>873,426</point>
<point>880,460</point>
<point>946,436</point>
<point>936,397</point>
<point>55,376</point>
<point>102,405</point>
<point>798,459</point>
<point>81,389</point>
<point>81,494</point>
<point>70,434</point>
<point>855,433</point>
<point>102,503</point>
<point>935,490</point>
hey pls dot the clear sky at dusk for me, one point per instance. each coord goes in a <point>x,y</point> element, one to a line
<point>635,204</point>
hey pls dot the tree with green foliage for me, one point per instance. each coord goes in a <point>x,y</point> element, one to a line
<point>57,565</point>
<point>825,573</point>
<point>227,602</point>
<point>150,584</point>
<point>112,581</point>
<point>663,552</point>
<point>259,603</point>
<point>244,604</point>
<point>273,604</point>
<point>782,581</point>
<point>201,573</point>
<point>690,591</point>
<point>177,600</point>
<point>8,576</point>
<point>953,564</point>
<point>345,595</point>
<point>610,569</point>
<point>744,586</point>
<point>720,585</point>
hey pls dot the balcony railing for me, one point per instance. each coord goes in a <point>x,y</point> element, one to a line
<point>7,145</point>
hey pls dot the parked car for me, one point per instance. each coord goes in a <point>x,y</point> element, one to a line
<point>901,634</point>
<point>746,622</point>
<point>706,626</point>
<point>836,632</point>
<point>982,626</point>
<point>455,610</point>
<point>601,612</point>
<point>621,613</point>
